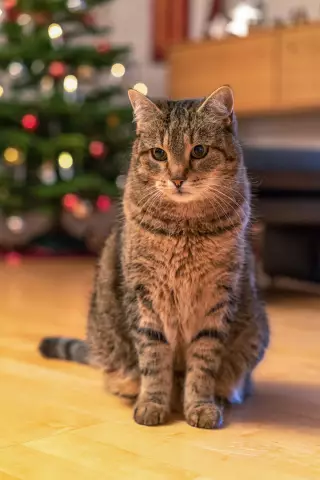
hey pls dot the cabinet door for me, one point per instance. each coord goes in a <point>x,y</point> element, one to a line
<point>300,67</point>
<point>248,65</point>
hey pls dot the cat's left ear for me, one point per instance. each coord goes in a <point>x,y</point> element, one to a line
<point>144,109</point>
<point>219,103</point>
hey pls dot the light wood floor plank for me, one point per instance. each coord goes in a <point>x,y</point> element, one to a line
<point>104,458</point>
<point>29,464</point>
<point>57,422</point>
<point>5,476</point>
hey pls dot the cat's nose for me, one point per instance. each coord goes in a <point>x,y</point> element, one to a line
<point>177,182</point>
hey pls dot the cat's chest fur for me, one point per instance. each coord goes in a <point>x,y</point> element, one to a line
<point>180,275</point>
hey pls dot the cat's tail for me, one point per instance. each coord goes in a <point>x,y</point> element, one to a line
<point>65,348</point>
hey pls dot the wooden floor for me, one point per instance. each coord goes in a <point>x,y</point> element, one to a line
<point>57,423</point>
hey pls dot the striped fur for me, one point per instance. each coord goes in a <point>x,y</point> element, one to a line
<point>64,348</point>
<point>175,316</point>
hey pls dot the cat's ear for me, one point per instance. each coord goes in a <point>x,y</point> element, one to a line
<point>144,109</point>
<point>220,102</point>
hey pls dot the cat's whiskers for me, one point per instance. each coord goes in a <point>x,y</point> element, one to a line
<point>233,199</point>
<point>148,204</point>
<point>234,207</point>
<point>237,210</point>
<point>222,203</point>
<point>213,205</point>
<point>216,190</point>
<point>149,191</point>
<point>147,200</point>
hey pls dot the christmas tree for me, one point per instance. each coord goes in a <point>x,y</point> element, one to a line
<point>65,124</point>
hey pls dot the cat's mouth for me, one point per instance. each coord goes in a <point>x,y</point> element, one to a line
<point>181,196</point>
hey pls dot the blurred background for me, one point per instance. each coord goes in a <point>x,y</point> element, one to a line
<point>66,126</point>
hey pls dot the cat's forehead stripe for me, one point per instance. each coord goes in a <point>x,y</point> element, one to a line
<point>179,130</point>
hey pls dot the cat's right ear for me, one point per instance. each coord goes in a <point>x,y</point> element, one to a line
<point>220,102</point>
<point>144,110</point>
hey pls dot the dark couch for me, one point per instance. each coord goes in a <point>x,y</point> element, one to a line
<point>286,188</point>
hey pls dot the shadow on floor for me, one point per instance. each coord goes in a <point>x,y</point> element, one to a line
<point>292,405</point>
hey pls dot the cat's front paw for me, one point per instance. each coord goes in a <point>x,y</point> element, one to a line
<point>205,415</point>
<point>150,413</point>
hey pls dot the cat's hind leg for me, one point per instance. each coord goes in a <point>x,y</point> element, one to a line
<point>125,385</point>
<point>112,350</point>
<point>111,346</point>
<point>235,393</point>
<point>248,340</point>
<point>234,379</point>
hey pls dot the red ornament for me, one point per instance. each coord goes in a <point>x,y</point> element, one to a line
<point>70,201</point>
<point>97,149</point>
<point>41,18</point>
<point>103,47</point>
<point>30,122</point>
<point>13,259</point>
<point>103,203</point>
<point>12,13</point>
<point>9,4</point>
<point>88,19</point>
<point>57,69</point>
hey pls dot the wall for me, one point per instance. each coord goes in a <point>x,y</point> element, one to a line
<point>131,26</point>
<point>131,22</point>
<point>282,8</point>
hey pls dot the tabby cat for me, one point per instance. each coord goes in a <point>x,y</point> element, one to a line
<point>175,314</point>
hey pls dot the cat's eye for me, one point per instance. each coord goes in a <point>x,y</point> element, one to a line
<point>159,154</point>
<point>199,151</point>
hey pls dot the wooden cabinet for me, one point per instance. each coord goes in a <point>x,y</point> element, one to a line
<point>276,70</point>
<point>246,65</point>
<point>299,76</point>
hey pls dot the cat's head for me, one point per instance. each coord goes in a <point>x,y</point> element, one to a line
<point>185,151</point>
